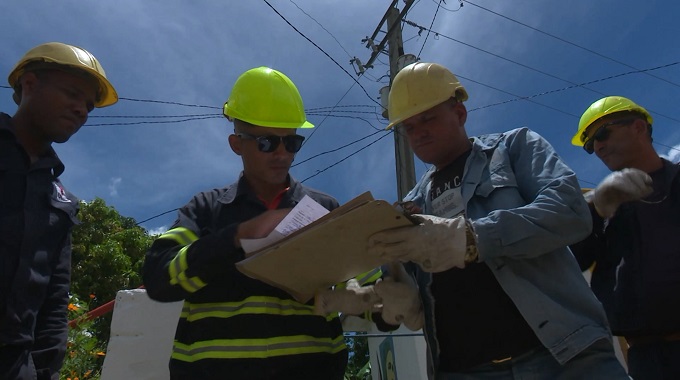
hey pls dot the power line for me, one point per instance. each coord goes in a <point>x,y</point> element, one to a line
<point>428,31</point>
<point>496,55</point>
<point>574,86</point>
<point>338,162</point>
<point>332,108</point>
<point>171,103</point>
<point>156,122</point>
<point>569,42</point>
<point>337,149</point>
<point>447,9</point>
<point>320,49</point>
<point>322,27</point>
<point>157,216</point>
<point>582,85</point>
<point>150,116</point>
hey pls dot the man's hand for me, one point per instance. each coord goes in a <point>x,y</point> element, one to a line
<point>617,188</point>
<point>400,299</point>
<point>260,226</point>
<point>437,244</point>
<point>352,300</point>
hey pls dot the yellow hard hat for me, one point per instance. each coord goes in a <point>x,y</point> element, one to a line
<point>419,87</point>
<point>266,97</point>
<point>57,54</point>
<point>603,107</point>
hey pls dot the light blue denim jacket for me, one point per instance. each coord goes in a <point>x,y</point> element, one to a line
<point>526,207</point>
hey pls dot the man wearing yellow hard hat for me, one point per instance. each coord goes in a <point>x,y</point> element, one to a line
<point>55,87</point>
<point>635,243</point>
<point>233,326</point>
<point>501,293</point>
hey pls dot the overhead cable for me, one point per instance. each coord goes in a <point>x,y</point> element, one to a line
<point>570,43</point>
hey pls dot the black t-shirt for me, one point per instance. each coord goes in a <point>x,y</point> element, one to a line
<point>476,321</point>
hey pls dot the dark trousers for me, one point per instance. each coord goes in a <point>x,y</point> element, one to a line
<point>654,361</point>
<point>16,363</point>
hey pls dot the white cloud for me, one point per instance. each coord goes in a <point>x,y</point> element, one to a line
<point>157,230</point>
<point>673,154</point>
<point>113,186</point>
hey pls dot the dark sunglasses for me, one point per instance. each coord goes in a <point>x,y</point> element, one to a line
<point>268,144</point>
<point>602,133</point>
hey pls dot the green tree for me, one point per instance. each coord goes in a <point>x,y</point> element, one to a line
<point>359,363</point>
<point>108,253</point>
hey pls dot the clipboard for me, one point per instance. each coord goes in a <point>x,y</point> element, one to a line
<point>327,251</point>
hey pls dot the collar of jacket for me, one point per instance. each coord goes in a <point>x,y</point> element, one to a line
<point>241,188</point>
<point>49,160</point>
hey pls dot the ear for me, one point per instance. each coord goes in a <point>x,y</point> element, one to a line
<point>461,111</point>
<point>235,144</point>
<point>640,127</point>
<point>28,82</point>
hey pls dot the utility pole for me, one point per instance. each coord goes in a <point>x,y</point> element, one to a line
<point>406,172</point>
<point>406,176</point>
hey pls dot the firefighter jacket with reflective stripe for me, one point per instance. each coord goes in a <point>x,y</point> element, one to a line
<point>232,325</point>
<point>36,217</point>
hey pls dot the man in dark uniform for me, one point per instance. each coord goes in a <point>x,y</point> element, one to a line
<point>634,243</point>
<point>55,87</point>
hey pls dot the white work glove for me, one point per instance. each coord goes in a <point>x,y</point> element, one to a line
<point>617,188</point>
<point>352,300</point>
<point>400,299</point>
<point>437,244</point>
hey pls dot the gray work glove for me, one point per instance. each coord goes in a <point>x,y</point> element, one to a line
<point>436,244</point>
<point>617,188</point>
<point>353,299</point>
<point>400,299</point>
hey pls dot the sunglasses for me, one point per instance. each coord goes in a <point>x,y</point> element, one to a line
<point>268,144</point>
<point>602,134</point>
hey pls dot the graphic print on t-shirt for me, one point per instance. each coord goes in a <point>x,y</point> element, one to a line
<point>445,192</point>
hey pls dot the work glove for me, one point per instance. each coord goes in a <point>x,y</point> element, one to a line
<point>353,299</point>
<point>617,188</point>
<point>436,244</point>
<point>400,299</point>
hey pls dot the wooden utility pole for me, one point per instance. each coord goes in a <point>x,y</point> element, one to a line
<point>406,173</point>
<point>406,176</point>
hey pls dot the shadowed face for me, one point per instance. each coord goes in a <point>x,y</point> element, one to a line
<point>57,103</point>
<point>616,140</point>
<point>437,136</point>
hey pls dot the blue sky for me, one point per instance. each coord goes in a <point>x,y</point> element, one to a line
<point>177,60</point>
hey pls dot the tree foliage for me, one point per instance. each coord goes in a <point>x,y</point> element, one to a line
<point>358,364</point>
<point>108,253</point>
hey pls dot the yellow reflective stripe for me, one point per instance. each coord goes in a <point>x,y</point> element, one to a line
<point>178,276</point>
<point>183,236</point>
<point>251,305</point>
<point>257,348</point>
<point>369,277</point>
<point>365,278</point>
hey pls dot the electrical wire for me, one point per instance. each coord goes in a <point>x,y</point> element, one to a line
<point>447,9</point>
<point>344,159</point>
<point>428,31</point>
<point>320,49</point>
<point>336,149</point>
<point>322,27</point>
<point>579,85</point>
<point>569,42</point>
<point>497,55</point>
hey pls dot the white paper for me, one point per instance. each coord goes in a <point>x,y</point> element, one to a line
<point>305,212</point>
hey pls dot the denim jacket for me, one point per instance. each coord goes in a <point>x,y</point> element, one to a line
<point>526,207</point>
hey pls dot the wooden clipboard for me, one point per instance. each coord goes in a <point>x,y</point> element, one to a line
<point>326,252</point>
